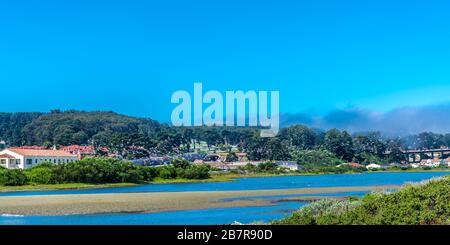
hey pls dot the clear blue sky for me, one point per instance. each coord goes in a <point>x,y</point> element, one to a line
<point>129,56</point>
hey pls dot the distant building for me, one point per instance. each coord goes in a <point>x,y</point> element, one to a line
<point>152,161</point>
<point>291,165</point>
<point>373,166</point>
<point>80,151</point>
<point>193,156</point>
<point>447,162</point>
<point>216,165</point>
<point>26,158</point>
<point>228,165</point>
<point>352,164</point>
<point>31,147</point>
<point>241,156</point>
<point>236,165</point>
<point>212,158</point>
<point>431,163</point>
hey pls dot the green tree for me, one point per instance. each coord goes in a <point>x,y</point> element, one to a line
<point>429,140</point>
<point>43,173</point>
<point>314,159</point>
<point>181,163</point>
<point>339,143</point>
<point>231,157</point>
<point>267,167</point>
<point>195,172</point>
<point>300,136</point>
<point>167,172</point>
<point>12,177</point>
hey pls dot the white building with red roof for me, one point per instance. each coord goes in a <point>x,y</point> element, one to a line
<point>27,158</point>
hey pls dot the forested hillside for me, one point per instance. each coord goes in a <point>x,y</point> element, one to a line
<point>12,124</point>
<point>124,134</point>
<point>69,127</point>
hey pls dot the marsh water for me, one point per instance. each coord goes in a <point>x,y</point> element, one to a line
<point>277,210</point>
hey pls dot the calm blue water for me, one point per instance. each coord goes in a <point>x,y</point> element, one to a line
<point>262,183</point>
<point>189,217</point>
<point>223,215</point>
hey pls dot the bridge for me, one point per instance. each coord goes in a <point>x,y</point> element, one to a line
<point>416,156</point>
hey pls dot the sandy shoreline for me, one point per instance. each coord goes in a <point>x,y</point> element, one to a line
<point>51,205</point>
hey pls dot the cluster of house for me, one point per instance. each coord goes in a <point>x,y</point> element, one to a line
<point>219,161</point>
<point>369,166</point>
<point>433,163</point>
<point>153,161</point>
<point>80,151</point>
<point>226,166</point>
<point>28,156</point>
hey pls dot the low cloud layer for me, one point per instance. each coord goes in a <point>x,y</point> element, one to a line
<point>397,122</point>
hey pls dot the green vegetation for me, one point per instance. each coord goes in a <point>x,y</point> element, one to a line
<point>314,159</point>
<point>133,137</point>
<point>187,172</point>
<point>12,124</point>
<point>98,171</point>
<point>69,127</point>
<point>415,204</point>
<point>262,168</point>
<point>11,177</point>
<point>231,157</point>
<point>68,186</point>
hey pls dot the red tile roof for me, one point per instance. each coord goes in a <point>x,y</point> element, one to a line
<point>32,147</point>
<point>6,156</point>
<point>353,164</point>
<point>41,153</point>
<point>78,149</point>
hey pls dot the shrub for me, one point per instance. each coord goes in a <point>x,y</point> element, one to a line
<point>322,211</point>
<point>267,167</point>
<point>132,175</point>
<point>231,157</point>
<point>195,172</point>
<point>43,173</point>
<point>180,163</point>
<point>99,170</point>
<point>313,159</point>
<point>167,172</point>
<point>250,168</point>
<point>12,177</point>
<point>148,173</point>
<point>426,203</point>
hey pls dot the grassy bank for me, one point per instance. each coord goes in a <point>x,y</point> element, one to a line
<point>74,186</point>
<point>426,203</point>
<point>213,178</point>
<point>67,186</point>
